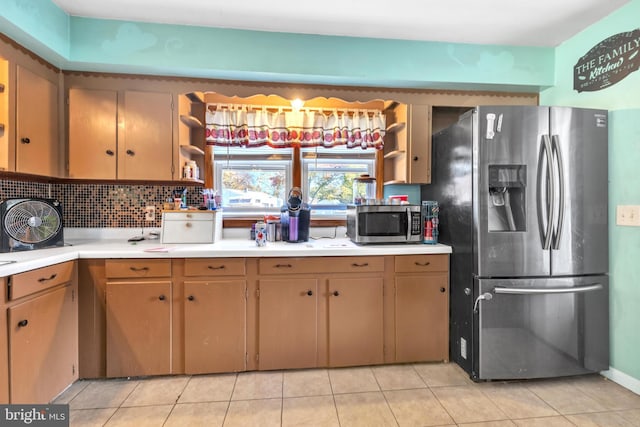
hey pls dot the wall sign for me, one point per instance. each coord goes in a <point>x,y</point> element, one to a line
<point>608,62</point>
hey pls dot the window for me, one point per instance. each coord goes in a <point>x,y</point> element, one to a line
<point>252,182</point>
<point>257,181</point>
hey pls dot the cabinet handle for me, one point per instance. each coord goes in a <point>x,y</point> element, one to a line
<point>443,289</point>
<point>25,140</point>
<point>283,266</point>
<point>130,153</point>
<point>221,267</point>
<point>336,293</point>
<point>162,297</point>
<point>415,158</point>
<point>422,264</point>
<point>110,152</point>
<point>139,268</point>
<point>355,264</point>
<point>46,279</point>
<point>188,225</point>
<point>310,292</point>
<point>23,323</point>
<point>191,297</point>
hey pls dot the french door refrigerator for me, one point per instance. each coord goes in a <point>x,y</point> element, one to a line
<point>523,203</point>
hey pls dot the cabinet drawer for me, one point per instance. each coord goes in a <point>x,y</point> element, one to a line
<point>189,216</point>
<point>421,263</point>
<point>321,265</point>
<point>126,268</point>
<point>33,281</point>
<point>214,267</point>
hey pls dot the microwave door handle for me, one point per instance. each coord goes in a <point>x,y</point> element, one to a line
<point>537,291</point>
<point>408,211</point>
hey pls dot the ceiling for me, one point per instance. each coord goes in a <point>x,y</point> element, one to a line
<point>545,23</point>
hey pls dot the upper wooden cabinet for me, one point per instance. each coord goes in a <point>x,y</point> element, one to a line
<point>407,144</point>
<point>120,135</point>
<point>37,135</point>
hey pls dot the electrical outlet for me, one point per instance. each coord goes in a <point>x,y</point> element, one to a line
<point>150,213</point>
<point>628,215</point>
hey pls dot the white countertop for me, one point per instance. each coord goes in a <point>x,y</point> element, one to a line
<point>120,248</point>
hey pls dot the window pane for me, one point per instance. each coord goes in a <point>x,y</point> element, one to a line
<point>252,187</point>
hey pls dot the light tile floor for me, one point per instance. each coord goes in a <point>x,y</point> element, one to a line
<point>395,395</point>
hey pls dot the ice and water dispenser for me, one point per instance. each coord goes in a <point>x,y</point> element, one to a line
<point>507,198</point>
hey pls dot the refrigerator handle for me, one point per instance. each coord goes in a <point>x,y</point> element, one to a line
<point>550,193</point>
<point>535,291</point>
<point>558,155</point>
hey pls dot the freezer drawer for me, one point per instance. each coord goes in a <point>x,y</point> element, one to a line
<point>542,327</point>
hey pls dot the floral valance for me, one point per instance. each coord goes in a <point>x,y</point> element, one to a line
<point>250,127</point>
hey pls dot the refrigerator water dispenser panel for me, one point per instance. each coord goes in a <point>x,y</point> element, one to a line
<point>507,198</point>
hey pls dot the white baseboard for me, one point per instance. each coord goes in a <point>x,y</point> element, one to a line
<point>626,381</point>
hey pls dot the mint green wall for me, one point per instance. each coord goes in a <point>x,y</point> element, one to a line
<point>623,101</point>
<point>39,25</point>
<point>130,47</point>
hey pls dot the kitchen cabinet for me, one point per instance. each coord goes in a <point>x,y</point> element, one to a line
<point>421,308</point>
<point>214,304</point>
<point>42,332</point>
<point>288,319</point>
<point>120,135</point>
<point>355,321</point>
<point>37,135</point>
<point>407,144</point>
<point>138,317</point>
<point>320,312</point>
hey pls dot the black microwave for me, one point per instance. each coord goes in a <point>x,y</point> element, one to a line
<point>384,224</point>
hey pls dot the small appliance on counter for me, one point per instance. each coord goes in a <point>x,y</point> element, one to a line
<point>295,218</point>
<point>191,226</point>
<point>30,223</point>
<point>368,224</point>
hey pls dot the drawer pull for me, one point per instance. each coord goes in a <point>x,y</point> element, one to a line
<point>283,266</point>
<point>188,225</point>
<point>221,267</point>
<point>336,293</point>
<point>139,268</point>
<point>46,279</point>
<point>364,264</point>
<point>162,297</point>
<point>191,297</point>
<point>422,264</point>
<point>310,292</point>
<point>23,323</point>
<point>442,289</point>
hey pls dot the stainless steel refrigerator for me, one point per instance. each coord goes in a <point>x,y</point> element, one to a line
<point>523,202</point>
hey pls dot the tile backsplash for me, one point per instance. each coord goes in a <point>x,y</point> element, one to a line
<point>100,205</point>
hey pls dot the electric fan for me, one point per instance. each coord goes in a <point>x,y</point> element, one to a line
<point>31,224</point>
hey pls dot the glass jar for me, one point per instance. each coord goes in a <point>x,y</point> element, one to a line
<point>364,189</point>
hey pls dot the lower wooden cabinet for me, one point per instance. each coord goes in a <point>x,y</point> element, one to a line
<point>40,320</point>
<point>138,328</point>
<point>214,326</point>
<point>288,323</point>
<point>421,308</point>
<point>355,321</point>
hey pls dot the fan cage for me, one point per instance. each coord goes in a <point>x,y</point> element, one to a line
<point>32,221</point>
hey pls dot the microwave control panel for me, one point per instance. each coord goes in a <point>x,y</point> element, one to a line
<point>416,224</point>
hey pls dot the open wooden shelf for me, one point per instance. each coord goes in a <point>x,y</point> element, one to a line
<point>394,153</point>
<point>192,149</point>
<point>191,121</point>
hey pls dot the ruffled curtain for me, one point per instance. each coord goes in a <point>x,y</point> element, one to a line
<point>258,127</point>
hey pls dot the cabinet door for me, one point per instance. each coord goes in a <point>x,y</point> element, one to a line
<point>288,334</point>
<point>422,318</point>
<point>43,342</point>
<point>214,326</point>
<point>92,133</point>
<point>138,328</point>
<point>36,124</point>
<point>145,149</point>
<point>355,321</point>
<point>419,159</point>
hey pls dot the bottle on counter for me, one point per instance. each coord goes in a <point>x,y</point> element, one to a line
<point>261,233</point>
